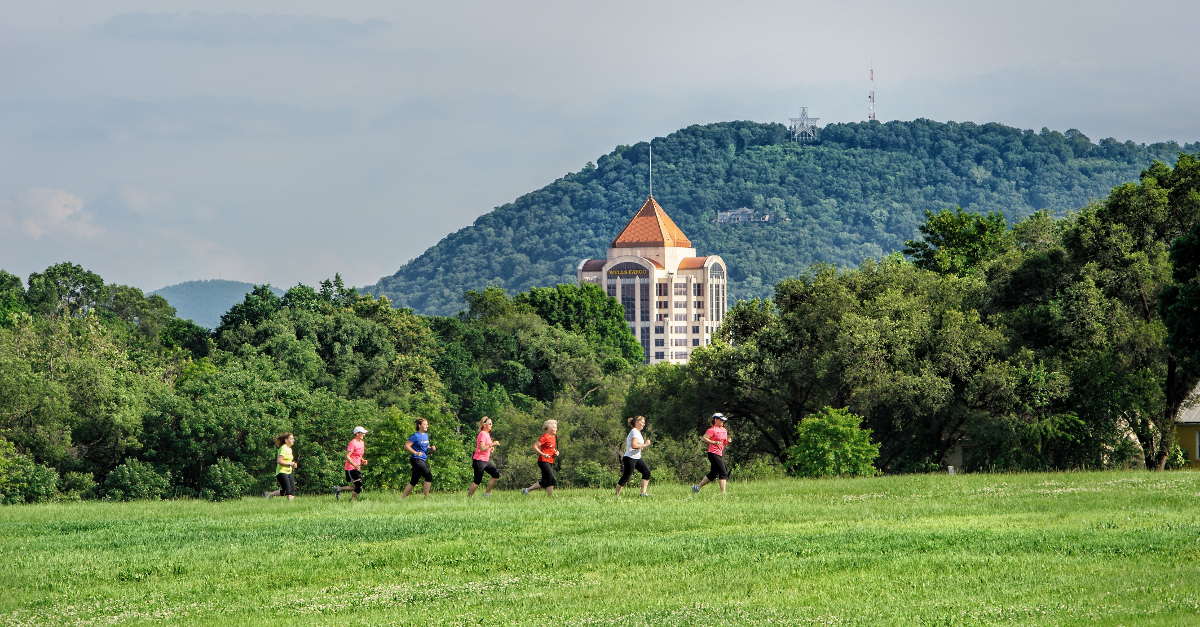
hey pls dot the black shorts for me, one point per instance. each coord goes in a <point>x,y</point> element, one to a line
<point>481,467</point>
<point>717,467</point>
<point>355,476</point>
<point>287,484</point>
<point>420,470</point>
<point>628,465</point>
<point>547,474</point>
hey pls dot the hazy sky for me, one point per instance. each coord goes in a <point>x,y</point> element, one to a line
<point>157,142</point>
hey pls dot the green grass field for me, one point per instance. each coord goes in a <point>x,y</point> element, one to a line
<point>1044,549</point>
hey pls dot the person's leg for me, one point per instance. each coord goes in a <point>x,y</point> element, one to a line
<point>724,473</point>
<point>626,472</point>
<point>714,470</point>
<point>477,467</point>
<point>416,477</point>
<point>644,469</point>
<point>358,484</point>
<point>407,491</point>
<point>549,490</point>
<point>490,468</point>
<point>428,485</point>
<point>548,478</point>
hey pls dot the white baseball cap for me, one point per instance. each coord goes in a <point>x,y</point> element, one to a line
<point>359,430</point>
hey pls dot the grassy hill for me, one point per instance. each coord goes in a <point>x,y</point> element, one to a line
<point>862,191</point>
<point>204,302</point>
<point>1062,549</point>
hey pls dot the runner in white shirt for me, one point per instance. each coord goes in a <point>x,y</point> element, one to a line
<point>632,459</point>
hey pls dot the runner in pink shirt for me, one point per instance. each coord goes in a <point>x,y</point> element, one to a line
<point>481,460</point>
<point>716,437</point>
<point>354,464</point>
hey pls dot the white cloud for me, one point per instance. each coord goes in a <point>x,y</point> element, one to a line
<point>54,213</point>
<point>233,27</point>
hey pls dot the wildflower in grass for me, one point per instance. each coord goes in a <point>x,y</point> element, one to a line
<point>418,448</point>
<point>632,459</point>
<point>481,460</point>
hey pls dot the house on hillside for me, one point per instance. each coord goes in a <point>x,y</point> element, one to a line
<point>688,303</point>
<point>1187,432</point>
<point>741,214</point>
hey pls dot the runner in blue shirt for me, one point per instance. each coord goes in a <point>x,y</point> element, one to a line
<point>418,448</point>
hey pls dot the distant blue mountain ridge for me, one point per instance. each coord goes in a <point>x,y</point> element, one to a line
<point>204,302</point>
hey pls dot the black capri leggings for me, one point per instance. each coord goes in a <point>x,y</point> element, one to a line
<point>717,465</point>
<point>547,474</point>
<point>355,476</point>
<point>628,465</point>
<point>481,467</point>
<point>420,470</point>
<point>287,484</point>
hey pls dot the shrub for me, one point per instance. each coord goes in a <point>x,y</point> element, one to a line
<point>832,442</point>
<point>1177,459</point>
<point>78,485</point>
<point>225,480</point>
<point>135,480</point>
<point>388,464</point>
<point>591,474</point>
<point>25,481</point>
<point>758,469</point>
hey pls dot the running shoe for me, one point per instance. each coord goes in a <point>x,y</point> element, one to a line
<point>487,494</point>
<point>644,494</point>
<point>695,488</point>
<point>337,492</point>
<point>267,495</point>
<point>525,491</point>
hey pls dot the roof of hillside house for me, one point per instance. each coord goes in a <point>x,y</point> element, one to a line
<point>651,226</point>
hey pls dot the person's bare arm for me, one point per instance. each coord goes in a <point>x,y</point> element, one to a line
<point>279,460</point>
<point>408,447</point>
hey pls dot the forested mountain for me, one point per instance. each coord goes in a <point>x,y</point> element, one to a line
<point>203,302</point>
<point>862,191</point>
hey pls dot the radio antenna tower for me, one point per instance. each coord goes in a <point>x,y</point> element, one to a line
<point>872,96</point>
<point>804,128</point>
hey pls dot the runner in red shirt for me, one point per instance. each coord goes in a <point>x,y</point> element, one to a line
<point>546,448</point>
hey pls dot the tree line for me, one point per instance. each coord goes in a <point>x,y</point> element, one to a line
<point>1048,343</point>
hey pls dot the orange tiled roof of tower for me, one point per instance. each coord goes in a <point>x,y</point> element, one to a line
<point>651,226</point>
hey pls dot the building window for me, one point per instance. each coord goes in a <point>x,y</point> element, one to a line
<point>658,341</point>
<point>645,297</point>
<point>695,341</point>
<point>661,289</point>
<point>682,329</point>
<point>659,355</point>
<point>698,304</point>
<point>680,317</point>
<point>698,317</point>
<point>658,330</point>
<point>696,329</point>
<point>662,304</point>
<point>681,289</point>
<point>612,288</point>
<point>679,341</point>
<point>646,342</point>
<point>681,304</point>
<point>629,298</point>
<point>697,289</point>
<point>679,355</point>
<point>661,317</point>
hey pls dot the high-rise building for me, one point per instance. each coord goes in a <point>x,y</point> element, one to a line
<point>673,299</point>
